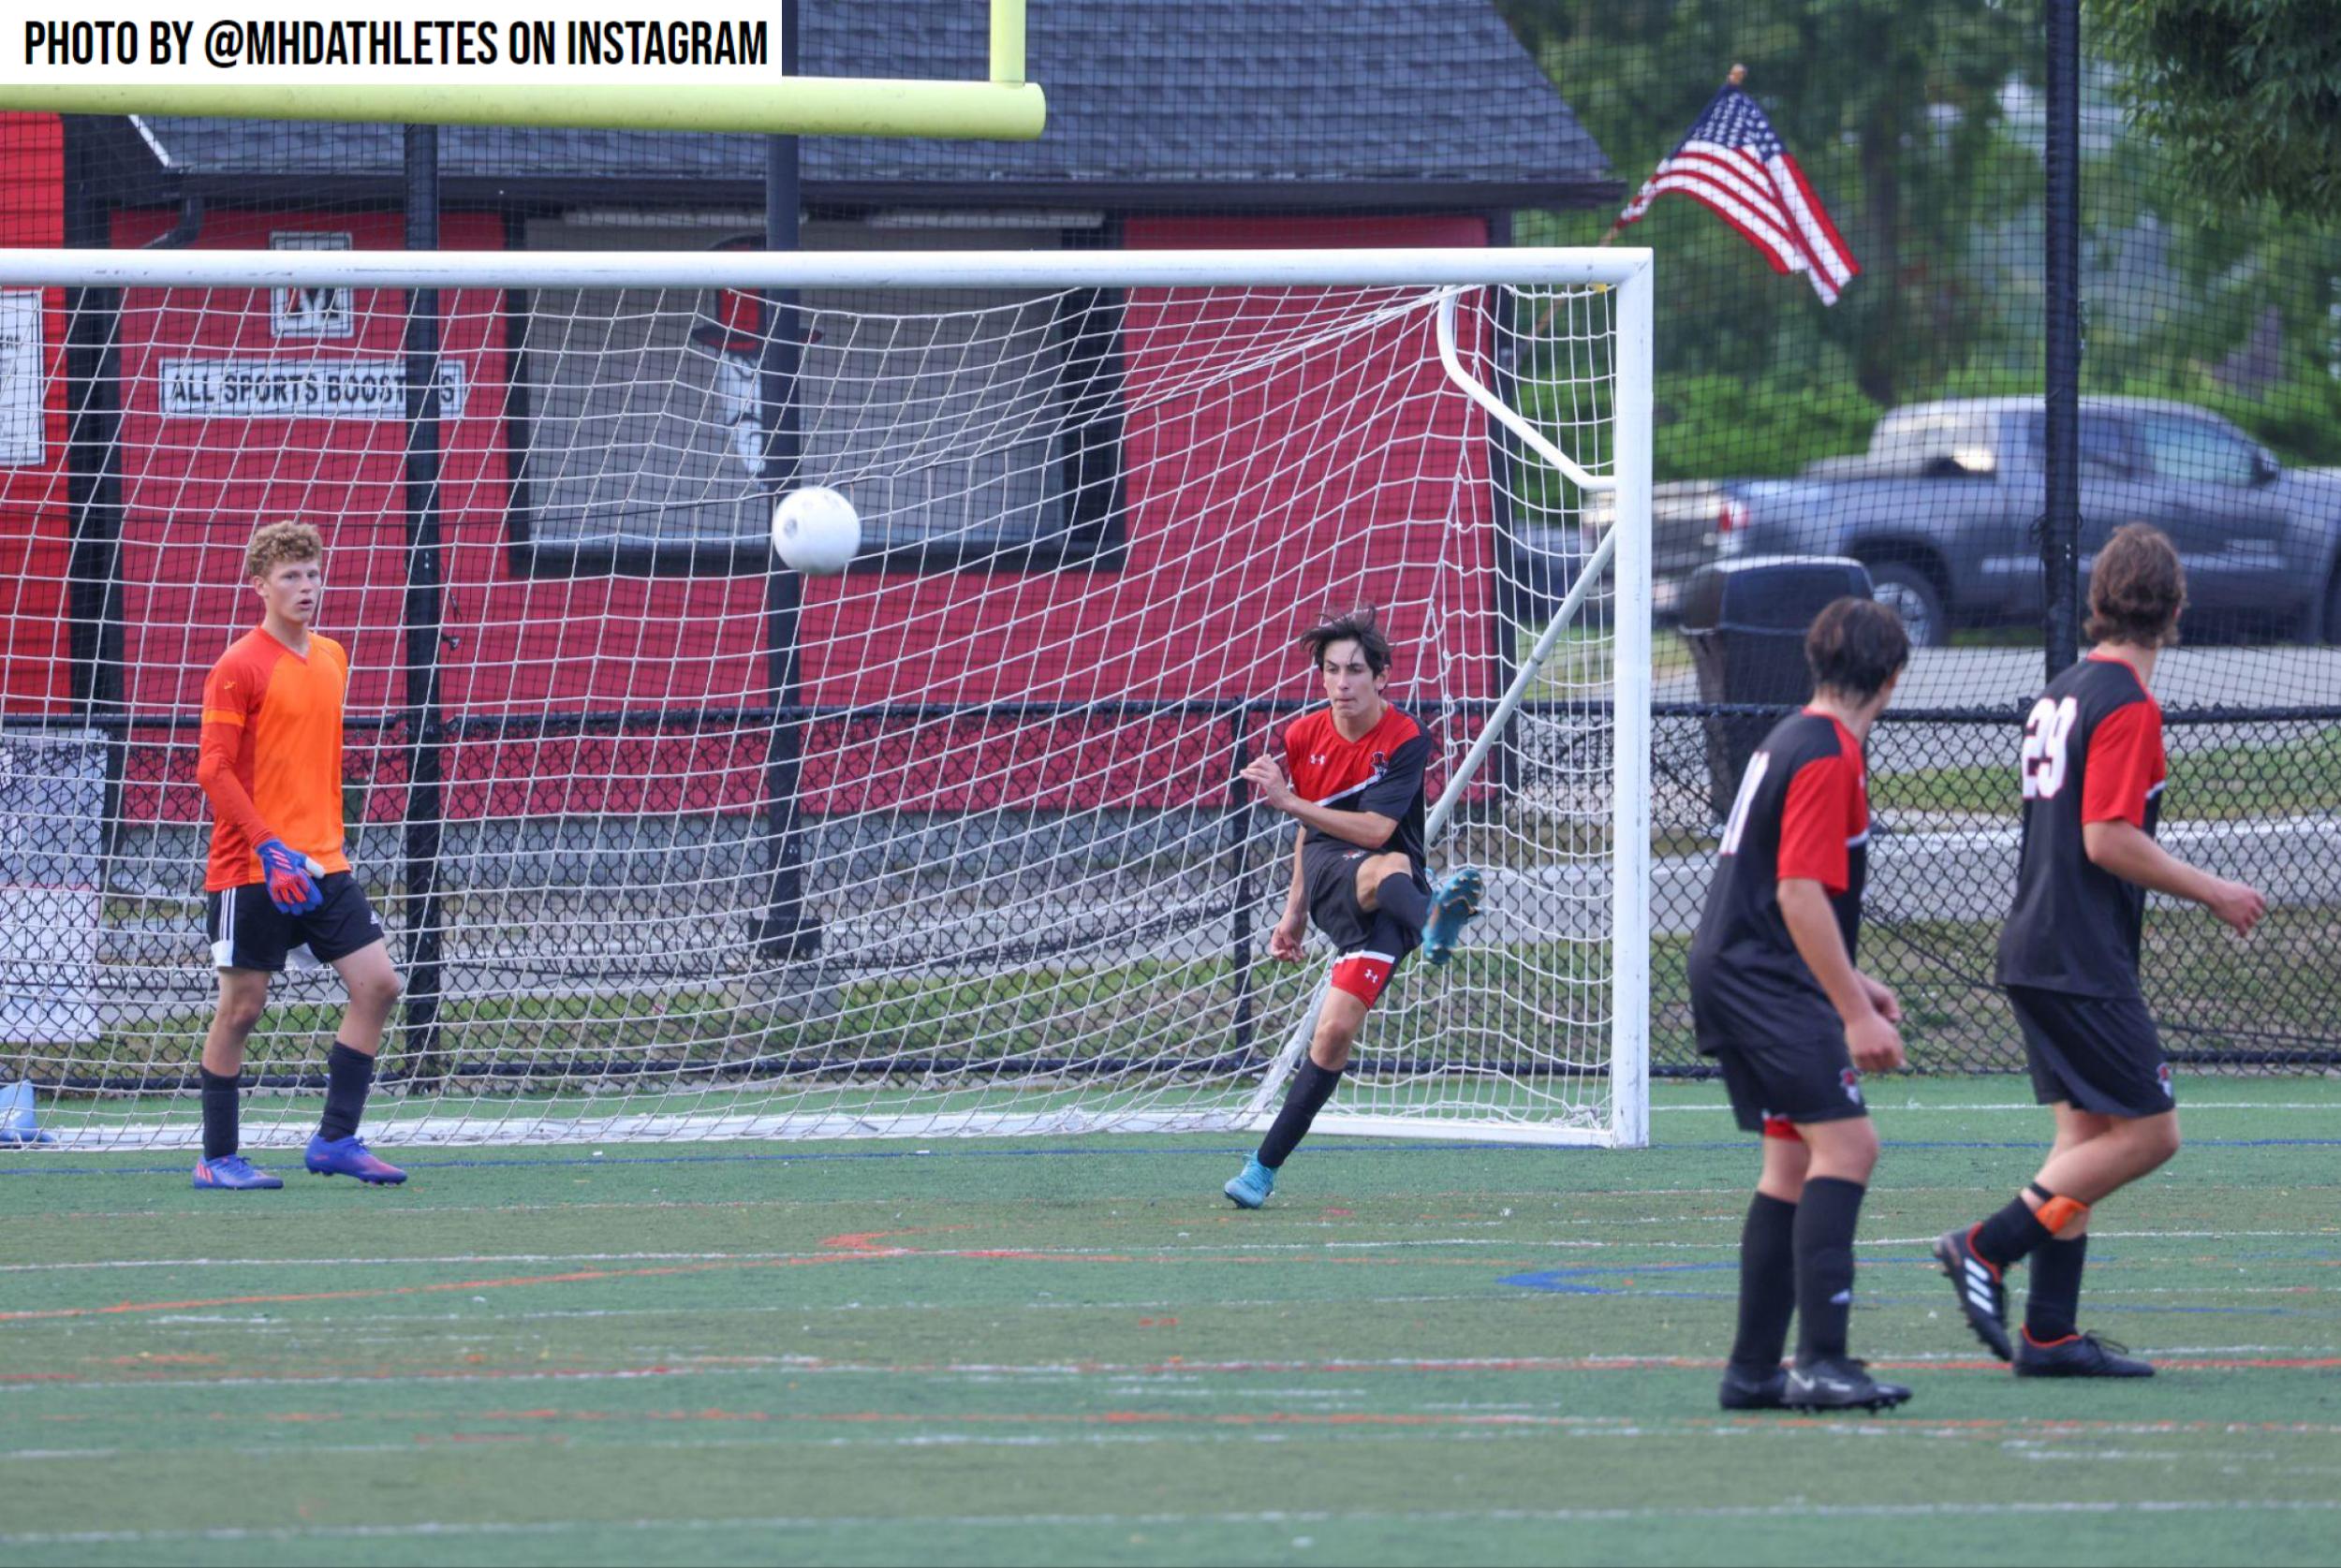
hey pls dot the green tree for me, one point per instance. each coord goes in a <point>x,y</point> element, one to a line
<point>1893,112</point>
<point>2244,95</point>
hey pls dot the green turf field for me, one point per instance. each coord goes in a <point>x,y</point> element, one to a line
<point>1076,1352</point>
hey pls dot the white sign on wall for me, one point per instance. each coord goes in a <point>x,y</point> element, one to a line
<point>23,432</point>
<point>373,387</point>
<point>324,311</point>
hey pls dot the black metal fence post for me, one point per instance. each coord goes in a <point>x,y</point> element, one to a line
<point>420,906</point>
<point>785,930</point>
<point>2060,516</point>
<point>1240,877</point>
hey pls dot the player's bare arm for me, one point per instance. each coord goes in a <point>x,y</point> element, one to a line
<point>1871,1038</point>
<point>2132,855</point>
<point>1286,941</point>
<point>1367,829</point>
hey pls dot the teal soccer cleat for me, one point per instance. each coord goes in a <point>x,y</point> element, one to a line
<point>1453,903</point>
<point>233,1173</point>
<point>1251,1187</point>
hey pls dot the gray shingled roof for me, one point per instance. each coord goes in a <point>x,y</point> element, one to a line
<point>1417,103</point>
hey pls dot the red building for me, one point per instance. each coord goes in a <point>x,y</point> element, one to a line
<point>599,541</point>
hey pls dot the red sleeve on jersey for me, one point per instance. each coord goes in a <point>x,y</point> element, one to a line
<point>1295,745</point>
<point>1816,820</point>
<point>2124,763</point>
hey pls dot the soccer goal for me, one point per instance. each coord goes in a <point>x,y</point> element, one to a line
<point>673,843</point>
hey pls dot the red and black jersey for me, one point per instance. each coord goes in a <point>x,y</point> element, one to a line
<point>1380,771</point>
<point>2092,753</point>
<point>1802,810</point>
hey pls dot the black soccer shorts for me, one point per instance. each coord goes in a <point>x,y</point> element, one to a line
<point>248,931</point>
<point>2097,1053</point>
<point>1329,879</point>
<point>1772,1083</point>
<point>1371,944</point>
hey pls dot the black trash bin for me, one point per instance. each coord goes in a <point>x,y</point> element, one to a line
<point>1746,622</point>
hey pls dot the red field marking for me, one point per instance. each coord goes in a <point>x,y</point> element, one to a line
<point>150,1358</point>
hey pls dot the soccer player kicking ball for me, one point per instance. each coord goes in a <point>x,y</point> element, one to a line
<point>1793,1025</point>
<point>1352,780</point>
<point>2093,769</point>
<point>272,765</point>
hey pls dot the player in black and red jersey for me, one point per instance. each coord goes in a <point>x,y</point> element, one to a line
<point>2093,769</point>
<point>1793,1025</point>
<point>1351,777</point>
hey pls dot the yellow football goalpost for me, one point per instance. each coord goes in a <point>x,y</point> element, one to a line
<point>1004,108</point>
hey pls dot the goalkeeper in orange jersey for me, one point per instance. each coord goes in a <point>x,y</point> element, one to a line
<point>271,768</point>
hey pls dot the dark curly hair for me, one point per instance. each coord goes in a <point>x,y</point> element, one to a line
<point>1362,625</point>
<point>1855,646</point>
<point>2136,589</point>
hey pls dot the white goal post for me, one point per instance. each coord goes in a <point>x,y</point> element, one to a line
<point>672,843</point>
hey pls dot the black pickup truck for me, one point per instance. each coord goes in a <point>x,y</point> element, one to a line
<point>1942,507</point>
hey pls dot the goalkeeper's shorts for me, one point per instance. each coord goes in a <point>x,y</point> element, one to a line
<point>248,931</point>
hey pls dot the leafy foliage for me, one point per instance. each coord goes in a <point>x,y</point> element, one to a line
<point>2244,93</point>
<point>1919,125</point>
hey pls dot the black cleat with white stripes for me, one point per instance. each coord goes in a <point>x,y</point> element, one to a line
<point>1983,1296</point>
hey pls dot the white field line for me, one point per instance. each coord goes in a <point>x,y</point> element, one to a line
<point>796,1440</point>
<point>800,1366</point>
<point>1152,1248</point>
<point>442,1527</point>
<point>1147,1247</point>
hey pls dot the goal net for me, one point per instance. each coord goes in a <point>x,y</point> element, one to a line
<point>672,843</point>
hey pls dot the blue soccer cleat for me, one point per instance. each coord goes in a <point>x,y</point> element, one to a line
<point>233,1173</point>
<point>350,1156</point>
<point>1250,1188</point>
<point>1453,903</point>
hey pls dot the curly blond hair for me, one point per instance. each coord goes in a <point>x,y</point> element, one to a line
<point>279,542</point>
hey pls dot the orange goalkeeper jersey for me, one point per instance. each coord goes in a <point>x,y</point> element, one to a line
<point>272,753</point>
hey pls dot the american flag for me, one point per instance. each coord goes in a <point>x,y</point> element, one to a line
<point>1735,164</point>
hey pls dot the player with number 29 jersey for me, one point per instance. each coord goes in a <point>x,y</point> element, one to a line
<point>2092,753</point>
<point>2091,770</point>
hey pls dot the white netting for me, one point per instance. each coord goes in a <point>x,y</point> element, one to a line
<point>683,846</point>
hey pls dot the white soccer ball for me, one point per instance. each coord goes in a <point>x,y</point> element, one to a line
<point>817,531</point>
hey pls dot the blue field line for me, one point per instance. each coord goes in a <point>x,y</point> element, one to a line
<point>37,1164</point>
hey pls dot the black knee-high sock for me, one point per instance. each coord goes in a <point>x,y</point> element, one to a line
<point>2009,1235</point>
<point>2052,1305</point>
<point>1312,1086</point>
<point>220,1136</point>
<point>1825,1219</point>
<point>348,1073</point>
<point>1767,1284</point>
<point>1399,894</point>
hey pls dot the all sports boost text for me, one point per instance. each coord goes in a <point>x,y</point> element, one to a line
<point>227,44</point>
